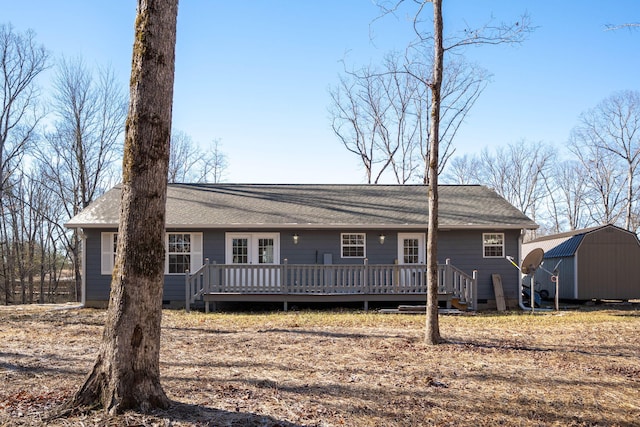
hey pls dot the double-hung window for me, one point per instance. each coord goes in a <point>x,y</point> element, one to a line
<point>178,252</point>
<point>353,245</point>
<point>183,251</point>
<point>493,245</point>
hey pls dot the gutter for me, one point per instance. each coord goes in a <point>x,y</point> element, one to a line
<point>520,302</point>
<point>314,226</point>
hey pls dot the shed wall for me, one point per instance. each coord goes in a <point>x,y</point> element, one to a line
<point>608,265</point>
<point>566,272</point>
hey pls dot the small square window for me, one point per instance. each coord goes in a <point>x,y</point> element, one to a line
<point>353,245</point>
<point>493,245</point>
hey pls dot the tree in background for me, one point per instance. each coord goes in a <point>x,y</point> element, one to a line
<point>463,170</point>
<point>188,163</point>
<point>126,374</point>
<point>516,172</point>
<point>183,157</point>
<point>380,114</point>
<point>79,155</point>
<point>214,164</point>
<point>605,184</point>
<point>607,139</point>
<point>22,60</point>
<point>488,34</point>
<point>594,183</point>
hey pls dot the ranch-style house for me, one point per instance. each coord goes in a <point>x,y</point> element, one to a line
<point>293,243</point>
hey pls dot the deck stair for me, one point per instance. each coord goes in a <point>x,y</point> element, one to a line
<point>456,303</point>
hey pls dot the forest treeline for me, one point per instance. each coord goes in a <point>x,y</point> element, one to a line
<point>61,147</point>
<point>380,115</point>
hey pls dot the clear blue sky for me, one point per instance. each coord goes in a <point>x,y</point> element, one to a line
<point>255,74</point>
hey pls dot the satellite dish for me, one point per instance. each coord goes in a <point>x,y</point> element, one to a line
<point>532,261</point>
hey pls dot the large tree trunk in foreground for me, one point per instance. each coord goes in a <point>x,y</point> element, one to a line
<point>432,328</point>
<point>126,374</point>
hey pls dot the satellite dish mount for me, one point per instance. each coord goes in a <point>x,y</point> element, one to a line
<point>529,265</point>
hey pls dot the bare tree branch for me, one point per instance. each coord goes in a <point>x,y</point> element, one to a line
<point>630,26</point>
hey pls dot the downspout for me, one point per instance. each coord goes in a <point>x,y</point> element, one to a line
<point>520,302</point>
<point>83,270</point>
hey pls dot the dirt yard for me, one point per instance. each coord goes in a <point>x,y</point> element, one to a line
<point>578,368</point>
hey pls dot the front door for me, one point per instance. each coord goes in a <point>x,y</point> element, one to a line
<point>411,258</point>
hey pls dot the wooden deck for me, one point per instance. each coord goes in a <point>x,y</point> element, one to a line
<point>290,283</point>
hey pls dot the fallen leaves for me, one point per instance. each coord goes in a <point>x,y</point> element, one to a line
<point>334,369</point>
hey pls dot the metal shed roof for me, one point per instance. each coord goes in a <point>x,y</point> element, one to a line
<point>565,249</point>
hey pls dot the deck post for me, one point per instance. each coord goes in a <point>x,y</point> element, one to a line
<point>206,286</point>
<point>448,277</point>
<point>474,291</point>
<point>216,280</point>
<point>284,280</point>
<point>396,276</point>
<point>365,278</point>
<point>187,292</point>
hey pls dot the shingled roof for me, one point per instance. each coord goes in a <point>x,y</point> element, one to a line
<point>318,206</point>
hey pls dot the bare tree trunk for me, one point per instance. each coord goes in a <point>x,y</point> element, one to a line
<point>5,251</point>
<point>126,374</point>
<point>432,333</point>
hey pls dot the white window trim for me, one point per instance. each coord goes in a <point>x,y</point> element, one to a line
<point>196,252</point>
<point>484,245</point>
<point>364,244</point>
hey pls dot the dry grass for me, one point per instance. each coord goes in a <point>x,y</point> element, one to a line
<point>331,369</point>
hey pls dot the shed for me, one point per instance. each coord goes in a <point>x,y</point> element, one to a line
<point>594,263</point>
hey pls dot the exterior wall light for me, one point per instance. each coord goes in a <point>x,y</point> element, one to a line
<point>296,238</point>
<point>381,237</point>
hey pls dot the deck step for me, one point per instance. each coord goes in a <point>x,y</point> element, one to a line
<point>421,310</point>
<point>456,303</point>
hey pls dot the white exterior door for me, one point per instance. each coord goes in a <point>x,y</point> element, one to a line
<point>255,250</point>
<point>411,251</point>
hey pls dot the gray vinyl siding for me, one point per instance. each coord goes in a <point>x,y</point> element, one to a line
<point>314,244</point>
<point>98,285</point>
<point>463,248</point>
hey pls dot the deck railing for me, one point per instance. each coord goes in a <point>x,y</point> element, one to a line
<point>334,279</point>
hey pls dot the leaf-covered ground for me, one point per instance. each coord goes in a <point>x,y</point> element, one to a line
<point>579,368</point>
